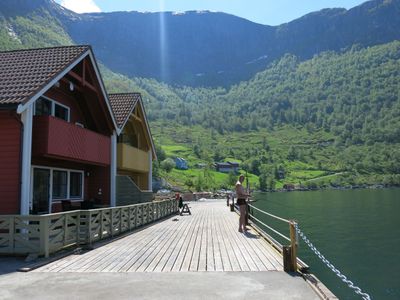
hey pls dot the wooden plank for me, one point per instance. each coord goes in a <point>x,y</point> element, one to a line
<point>123,262</point>
<point>76,262</point>
<point>205,241</point>
<point>216,240</point>
<point>93,258</point>
<point>144,252</point>
<point>230,233</point>
<point>131,256</point>
<point>231,255</point>
<point>203,245</point>
<point>183,260</point>
<point>189,223</point>
<point>173,246</point>
<point>210,246</point>
<point>250,253</point>
<point>134,245</point>
<point>195,257</point>
<point>273,257</point>
<point>147,255</point>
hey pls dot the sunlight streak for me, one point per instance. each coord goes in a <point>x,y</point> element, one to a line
<point>163,43</point>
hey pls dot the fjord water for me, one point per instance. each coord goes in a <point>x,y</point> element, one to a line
<point>358,231</point>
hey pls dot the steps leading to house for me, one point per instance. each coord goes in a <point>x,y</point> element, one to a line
<point>129,193</point>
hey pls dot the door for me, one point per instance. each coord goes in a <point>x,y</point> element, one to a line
<point>41,191</point>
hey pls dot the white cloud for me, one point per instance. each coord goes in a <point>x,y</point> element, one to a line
<point>81,6</point>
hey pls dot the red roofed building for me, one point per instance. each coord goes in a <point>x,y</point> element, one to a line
<point>58,136</point>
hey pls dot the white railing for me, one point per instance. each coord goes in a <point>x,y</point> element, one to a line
<point>46,234</point>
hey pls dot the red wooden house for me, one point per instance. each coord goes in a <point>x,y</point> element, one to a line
<point>57,131</point>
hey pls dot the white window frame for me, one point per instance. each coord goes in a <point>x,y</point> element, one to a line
<point>74,199</point>
<point>53,107</point>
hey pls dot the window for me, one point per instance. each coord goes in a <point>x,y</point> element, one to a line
<point>63,184</point>
<point>60,184</point>
<point>43,107</point>
<point>61,112</point>
<point>48,107</point>
<point>75,186</point>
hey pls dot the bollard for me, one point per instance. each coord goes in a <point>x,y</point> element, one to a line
<point>287,259</point>
<point>293,244</point>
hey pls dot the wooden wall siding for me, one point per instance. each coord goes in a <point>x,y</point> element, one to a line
<point>99,178</point>
<point>132,159</point>
<point>10,151</point>
<point>56,138</point>
<point>47,234</point>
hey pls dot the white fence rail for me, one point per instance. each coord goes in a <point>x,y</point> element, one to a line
<point>46,234</point>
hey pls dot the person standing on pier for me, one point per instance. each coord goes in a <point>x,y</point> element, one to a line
<point>241,202</point>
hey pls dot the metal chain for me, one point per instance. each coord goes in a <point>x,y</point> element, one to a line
<point>350,284</point>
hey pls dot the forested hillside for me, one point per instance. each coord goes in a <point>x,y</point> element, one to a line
<point>329,121</point>
<point>338,113</point>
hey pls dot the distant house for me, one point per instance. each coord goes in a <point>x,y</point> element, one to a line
<point>289,186</point>
<point>57,131</point>
<point>226,167</point>
<point>135,149</point>
<point>181,163</point>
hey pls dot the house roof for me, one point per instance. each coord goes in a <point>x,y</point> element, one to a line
<point>227,164</point>
<point>122,106</point>
<point>23,73</point>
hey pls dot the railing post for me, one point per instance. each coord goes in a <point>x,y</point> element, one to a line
<point>293,244</point>
<point>120,220</point>
<point>129,219</point>
<point>44,236</point>
<point>112,221</point>
<point>89,226</point>
<point>65,228</point>
<point>11,235</point>
<point>101,224</point>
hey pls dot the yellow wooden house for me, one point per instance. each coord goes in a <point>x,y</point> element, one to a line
<point>135,149</point>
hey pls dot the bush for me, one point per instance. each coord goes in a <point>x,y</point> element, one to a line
<point>167,164</point>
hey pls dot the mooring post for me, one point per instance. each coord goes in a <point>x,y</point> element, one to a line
<point>293,244</point>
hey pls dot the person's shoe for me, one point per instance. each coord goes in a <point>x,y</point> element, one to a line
<point>240,230</point>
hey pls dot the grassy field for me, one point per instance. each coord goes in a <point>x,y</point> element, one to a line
<point>314,154</point>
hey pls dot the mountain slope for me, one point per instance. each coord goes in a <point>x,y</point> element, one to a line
<point>213,49</point>
<point>338,112</point>
<point>31,24</point>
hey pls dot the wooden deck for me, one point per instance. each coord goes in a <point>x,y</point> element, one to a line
<point>207,240</point>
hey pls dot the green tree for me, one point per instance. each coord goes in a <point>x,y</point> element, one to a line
<point>167,164</point>
<point>199,183</point>
<point>231,179</point>
<point>262,180</point>
<point>271,183</point>
<point>189,183</point>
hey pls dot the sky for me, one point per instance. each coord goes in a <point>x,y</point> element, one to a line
<point>268,12</point>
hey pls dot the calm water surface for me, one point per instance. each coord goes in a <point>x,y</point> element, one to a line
<point>357,230</point>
